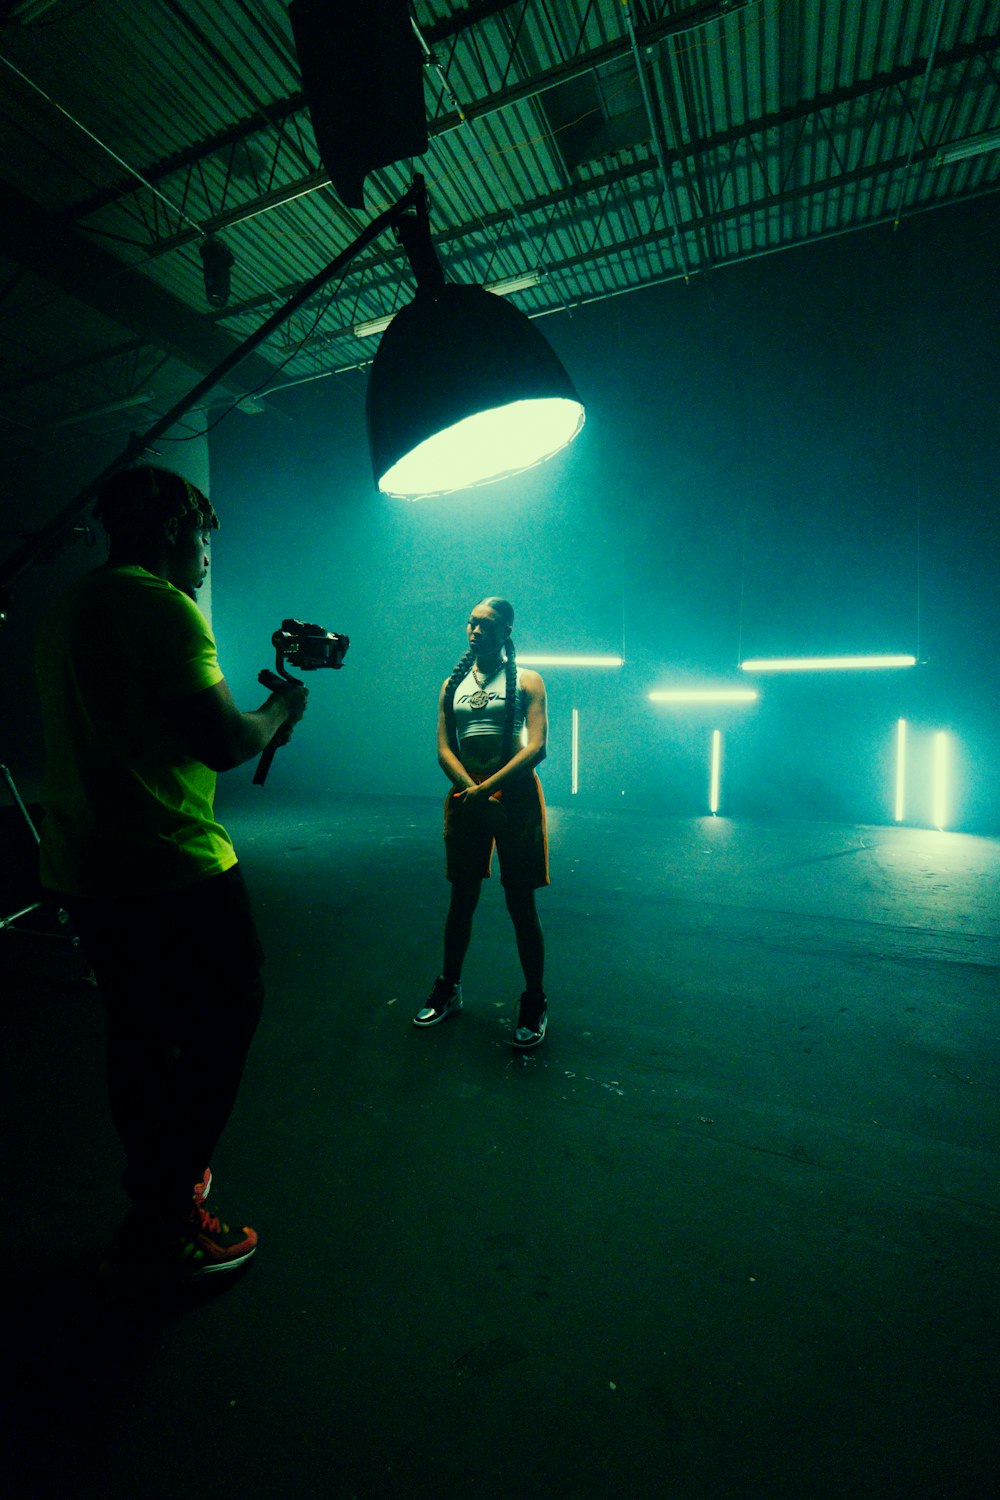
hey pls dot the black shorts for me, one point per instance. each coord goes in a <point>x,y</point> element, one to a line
<point>512,822</point>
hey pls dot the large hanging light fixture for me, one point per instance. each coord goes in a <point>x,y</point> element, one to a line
<point>463,389</point>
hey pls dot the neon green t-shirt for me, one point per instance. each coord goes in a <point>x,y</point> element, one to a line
<point>128,811</point>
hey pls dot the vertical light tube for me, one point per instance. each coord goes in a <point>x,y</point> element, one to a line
<point>713,783</point>
<point>576,751</point>
<point>900,769</point>
<point>939,814</point>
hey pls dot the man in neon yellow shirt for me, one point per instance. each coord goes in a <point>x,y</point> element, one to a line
<point>138,720</point>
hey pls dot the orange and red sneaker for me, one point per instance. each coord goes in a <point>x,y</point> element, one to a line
<point>207,1244</point>
<point>152,1251</point>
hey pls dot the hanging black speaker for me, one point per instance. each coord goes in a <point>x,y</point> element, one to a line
<point>362,72</point>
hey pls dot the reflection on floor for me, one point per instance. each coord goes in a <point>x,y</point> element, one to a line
<point>730,1232</point>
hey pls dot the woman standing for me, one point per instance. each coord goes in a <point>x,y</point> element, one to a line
<point>492,732</point>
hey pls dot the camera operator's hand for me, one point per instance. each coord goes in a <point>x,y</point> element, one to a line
<point>290,694</point>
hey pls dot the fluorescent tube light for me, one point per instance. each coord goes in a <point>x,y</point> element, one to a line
<point>534,659</point>
<point>900,768</point>
<point>498,288</point>
<point>975,145</point>
<point>823,663</point>
<point>514,283</point>
<point>373,325</point>
<point>703,695</point>
<point>713,780</point>
<point>576,752</point>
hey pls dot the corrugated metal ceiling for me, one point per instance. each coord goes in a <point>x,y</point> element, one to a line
<point>606,145</point>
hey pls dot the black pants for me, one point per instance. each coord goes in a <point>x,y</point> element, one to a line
<point>179,975</point>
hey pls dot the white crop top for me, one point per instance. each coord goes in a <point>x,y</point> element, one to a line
<point>470,722</point>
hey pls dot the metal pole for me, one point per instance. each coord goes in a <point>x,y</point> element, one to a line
<point>657,143</point>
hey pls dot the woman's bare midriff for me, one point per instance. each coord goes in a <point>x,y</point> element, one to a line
<point>482,754</point>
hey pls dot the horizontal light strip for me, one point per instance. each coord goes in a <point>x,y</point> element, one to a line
<point>498,288</point>
<point>510,284</point>
<point>372,325</point>
<point>704,695</point>
<point>534,659</point>
<point>823,663</point>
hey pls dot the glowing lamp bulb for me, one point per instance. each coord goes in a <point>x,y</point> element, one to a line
<point>487,446</point>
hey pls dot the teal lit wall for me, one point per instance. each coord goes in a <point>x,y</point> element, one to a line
<point>775,455</point>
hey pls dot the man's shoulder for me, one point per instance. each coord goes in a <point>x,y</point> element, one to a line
<point>132,587</point>
<point>123,582</point>
<point>130,578</point>
<point>129,604</point>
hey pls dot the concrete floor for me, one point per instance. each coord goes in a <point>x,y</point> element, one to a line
<point>730,1234</point>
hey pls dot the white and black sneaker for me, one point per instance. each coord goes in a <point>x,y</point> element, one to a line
<point>444,1000</point>
<point>532,1019</point>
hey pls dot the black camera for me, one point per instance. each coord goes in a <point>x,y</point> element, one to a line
<point>308,647</point>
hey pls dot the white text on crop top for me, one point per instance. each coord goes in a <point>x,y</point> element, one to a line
<point>470,722</point>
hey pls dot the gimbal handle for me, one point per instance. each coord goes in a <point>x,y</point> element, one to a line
<point>270,681</point>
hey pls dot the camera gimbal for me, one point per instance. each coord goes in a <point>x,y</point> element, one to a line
<point>308,647</point>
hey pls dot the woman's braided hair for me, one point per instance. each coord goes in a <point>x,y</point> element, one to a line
<point>505,611</point>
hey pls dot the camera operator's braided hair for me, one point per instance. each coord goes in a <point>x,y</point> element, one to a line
<point>460,671</point>
<point>136,501</point>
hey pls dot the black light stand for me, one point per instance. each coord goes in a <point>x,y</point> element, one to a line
<point>61,916</point>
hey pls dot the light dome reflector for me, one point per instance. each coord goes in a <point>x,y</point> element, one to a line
<point>463,391</point>
<point>487,446</point>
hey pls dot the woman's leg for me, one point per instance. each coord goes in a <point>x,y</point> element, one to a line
<point>528,932</point>
<point>458,927</point>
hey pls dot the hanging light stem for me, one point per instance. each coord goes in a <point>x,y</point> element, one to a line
<point>413,229</point>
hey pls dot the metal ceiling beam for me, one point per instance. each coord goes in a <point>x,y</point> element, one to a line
<point>182,161</point>
<point>478,109</point>
<point>654,126</point>
<point>797,243</point>
<point>313,181</point>
<point>465,19</point>
<point>603,252</point>
<point>539,206</point>
<point>42,243</point>
<point>699,224</point>
<point>323,373</point>
<point>236,356</point>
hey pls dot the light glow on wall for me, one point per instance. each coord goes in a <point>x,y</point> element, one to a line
<point>713,780</point>
<point>939,814</point>
<point>823,663</point>
<point>900,769</point>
